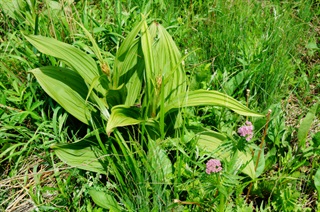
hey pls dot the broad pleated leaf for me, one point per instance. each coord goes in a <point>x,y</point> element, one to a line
<point>77,59</point>
<point>132,77</point>
<point>123,116</point>
<point>67,88</point>
<point>168,62</point>
<point>151,96</point>
<point>214,98</point>
<point>261,164</point>
<point>160,163</point>
<point>246,159</point>
<point>210,142</point>
<point>82,154</point>
<point>129,66</point>
<point>121,64</point>
<point>104,200</point>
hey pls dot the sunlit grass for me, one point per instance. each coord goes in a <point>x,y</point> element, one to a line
<point>269,47</point>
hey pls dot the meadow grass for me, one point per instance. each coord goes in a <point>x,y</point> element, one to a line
<point>269,47</point>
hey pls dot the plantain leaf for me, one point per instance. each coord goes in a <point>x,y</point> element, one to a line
<point>77,59</point>
<point>204,97</point>
<point>123,116</point>
<point>317,182</point>
<point>82,154</point>
<point>67,88</point>
<point>305,125</point>
<point>104,200</point>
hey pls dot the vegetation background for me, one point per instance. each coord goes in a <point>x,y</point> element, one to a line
<point>269,47</point>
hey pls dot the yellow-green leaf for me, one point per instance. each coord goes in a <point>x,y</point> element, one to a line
<point>214,98</point>
<point>77,59</point>
<point>82,154</point>
<point>123,116</point>
<point>67,88</point>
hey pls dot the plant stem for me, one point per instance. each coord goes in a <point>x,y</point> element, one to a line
<point>222,203</point>
<point>259,153</point>
<point>248,95</point>
<point>262,140</point>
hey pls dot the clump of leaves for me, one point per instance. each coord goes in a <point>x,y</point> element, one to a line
<point>147,88</point>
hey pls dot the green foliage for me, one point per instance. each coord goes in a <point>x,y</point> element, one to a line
<point>305,125</point>
<point>153,55</point>
<point>140,120</point>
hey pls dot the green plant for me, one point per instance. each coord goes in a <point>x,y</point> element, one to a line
<point>146,87</point>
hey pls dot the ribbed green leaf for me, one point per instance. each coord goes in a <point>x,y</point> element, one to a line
<point>104,200</point>
<point>306,125</point>
<point>261,164</point>
<point>123,116</point>
<point>121,66</point>
<point>67,88</point>
<point>82,155</point>
<point>167,59</point>
<point>317,181</point>
<point>246,159</point>
<point>210,142</point>
<point>152,98</point>
<point>214,98</point>
<point>129,66</point>
<point>77,59</point>
<point>132,73</point>
<point>160,163</point>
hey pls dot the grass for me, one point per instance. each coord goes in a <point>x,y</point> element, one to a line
<point>269,47</point>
